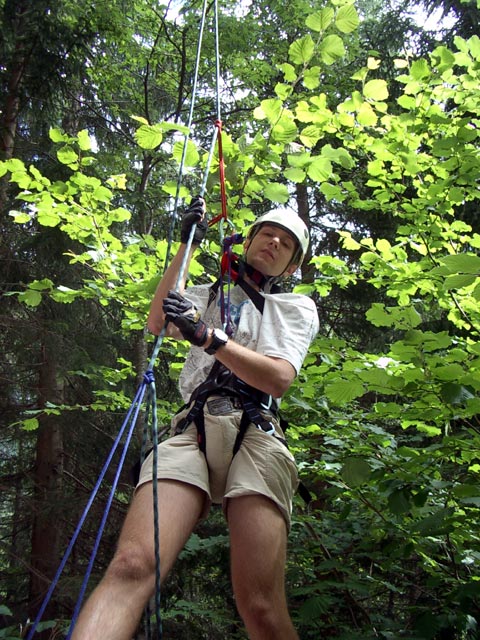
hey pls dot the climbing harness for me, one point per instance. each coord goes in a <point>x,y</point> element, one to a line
<point>258,408</point>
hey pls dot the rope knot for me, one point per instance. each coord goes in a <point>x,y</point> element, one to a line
<point>148,377</point>
<point>236,238</point>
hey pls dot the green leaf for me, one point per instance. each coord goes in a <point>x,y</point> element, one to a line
<point>20,217</point>
<point>172,126</point>
<point>284,130</point>
<point>399,501</point>
<point>332,49</point>
<point>339,155</point>
<point>283,91</point>
<point>270,109</point>
<point>310,135</point>
<point>41,285</point>
<point>56,135</point>
<point>84,141</point>
<point>67,155</point>
<point>311,77</point>
<point>344,391</point>
<point>466,491</point>
<point>320,169</point>
<point>48,218</point>
<point>349,243</point>
<point>301,51</point>
<point>170,187</point>
<point>149,136</point>
<point>462,263</point>
<point>435,524</point>
<point>355,471</point>
<point>277,192</point>
<point>191,156</point>
<point>448,372</point>
<point>30,424</point>
<point>320,20</point>
<point>376,90</point>
<point>30,297</point>
<point>419,70</point>
<point>299,160</point>
<point>288,72</point>
<point>332,192</point>
<point>312,608</point>
<point>347,19</point>
<point>399,317</point>
<point>459,281</point>
<point>366,115</point>
<point>295,175</point>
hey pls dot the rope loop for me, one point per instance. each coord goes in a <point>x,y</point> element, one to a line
<point>148,377</point>
<point>236,238</point>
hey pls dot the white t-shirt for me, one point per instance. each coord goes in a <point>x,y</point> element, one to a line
<point>285,330</point>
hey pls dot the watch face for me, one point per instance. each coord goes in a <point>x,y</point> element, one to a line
<point>219,339</point>
<point>220,335</point>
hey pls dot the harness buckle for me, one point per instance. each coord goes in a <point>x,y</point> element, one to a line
<point>267,427</point>
<point>219,405</point>
<point>267,406</point>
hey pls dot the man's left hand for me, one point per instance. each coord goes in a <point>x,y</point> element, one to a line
<point>186,317</point>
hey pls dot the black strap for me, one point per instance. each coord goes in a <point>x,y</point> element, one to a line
<point>254,295</point>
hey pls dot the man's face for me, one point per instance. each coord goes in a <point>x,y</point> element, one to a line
<point>271,250</point>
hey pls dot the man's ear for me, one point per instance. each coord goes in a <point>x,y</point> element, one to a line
<point>291,269</point>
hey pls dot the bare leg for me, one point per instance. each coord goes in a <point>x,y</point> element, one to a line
<point>258,541</point>
<point>114,609</point>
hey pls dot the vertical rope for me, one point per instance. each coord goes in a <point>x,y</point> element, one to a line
<point>136,403</point>
<point>187,136</point>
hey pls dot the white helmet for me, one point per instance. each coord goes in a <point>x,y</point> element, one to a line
<point>292,223</point>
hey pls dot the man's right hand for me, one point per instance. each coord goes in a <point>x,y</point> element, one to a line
<point>186,317</point>
<point>195,214</point>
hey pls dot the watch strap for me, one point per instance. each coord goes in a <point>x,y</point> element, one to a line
<point>217,342</point>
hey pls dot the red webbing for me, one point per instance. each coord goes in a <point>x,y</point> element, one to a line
<point>223,215</point>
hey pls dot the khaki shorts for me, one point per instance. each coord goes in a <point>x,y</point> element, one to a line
<point>263,465</point>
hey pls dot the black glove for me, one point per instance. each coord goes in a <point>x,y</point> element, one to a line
<point>186,317</point>
<point>193,215</point>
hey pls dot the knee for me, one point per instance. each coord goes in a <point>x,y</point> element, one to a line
<point>257,611</point>
<point>131,564</point>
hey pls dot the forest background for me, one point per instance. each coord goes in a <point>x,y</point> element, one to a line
<point>367,124</point>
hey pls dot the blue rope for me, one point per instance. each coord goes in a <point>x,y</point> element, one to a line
<point>105,514</point>
<point>187,135</point>
<point>137,400</point>
<point>156,518</point>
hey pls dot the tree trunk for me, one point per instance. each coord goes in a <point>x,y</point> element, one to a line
<point>301,194</point>
<point>11,106</point>
<point>48,482</point>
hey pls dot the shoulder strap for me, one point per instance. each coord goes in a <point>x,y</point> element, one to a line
<point>254,295</point>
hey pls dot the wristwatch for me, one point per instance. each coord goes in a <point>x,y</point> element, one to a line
<point>219,339</point>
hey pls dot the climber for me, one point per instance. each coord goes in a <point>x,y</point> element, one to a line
<point>226,445</point>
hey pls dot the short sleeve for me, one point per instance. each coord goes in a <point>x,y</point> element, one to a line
<point>289,324</point>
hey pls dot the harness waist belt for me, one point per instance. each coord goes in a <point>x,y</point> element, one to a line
<point>221,404</point>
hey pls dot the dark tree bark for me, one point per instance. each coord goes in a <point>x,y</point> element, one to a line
<point>48,480</point>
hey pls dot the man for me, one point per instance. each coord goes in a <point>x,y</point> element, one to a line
<point>256,485</point>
